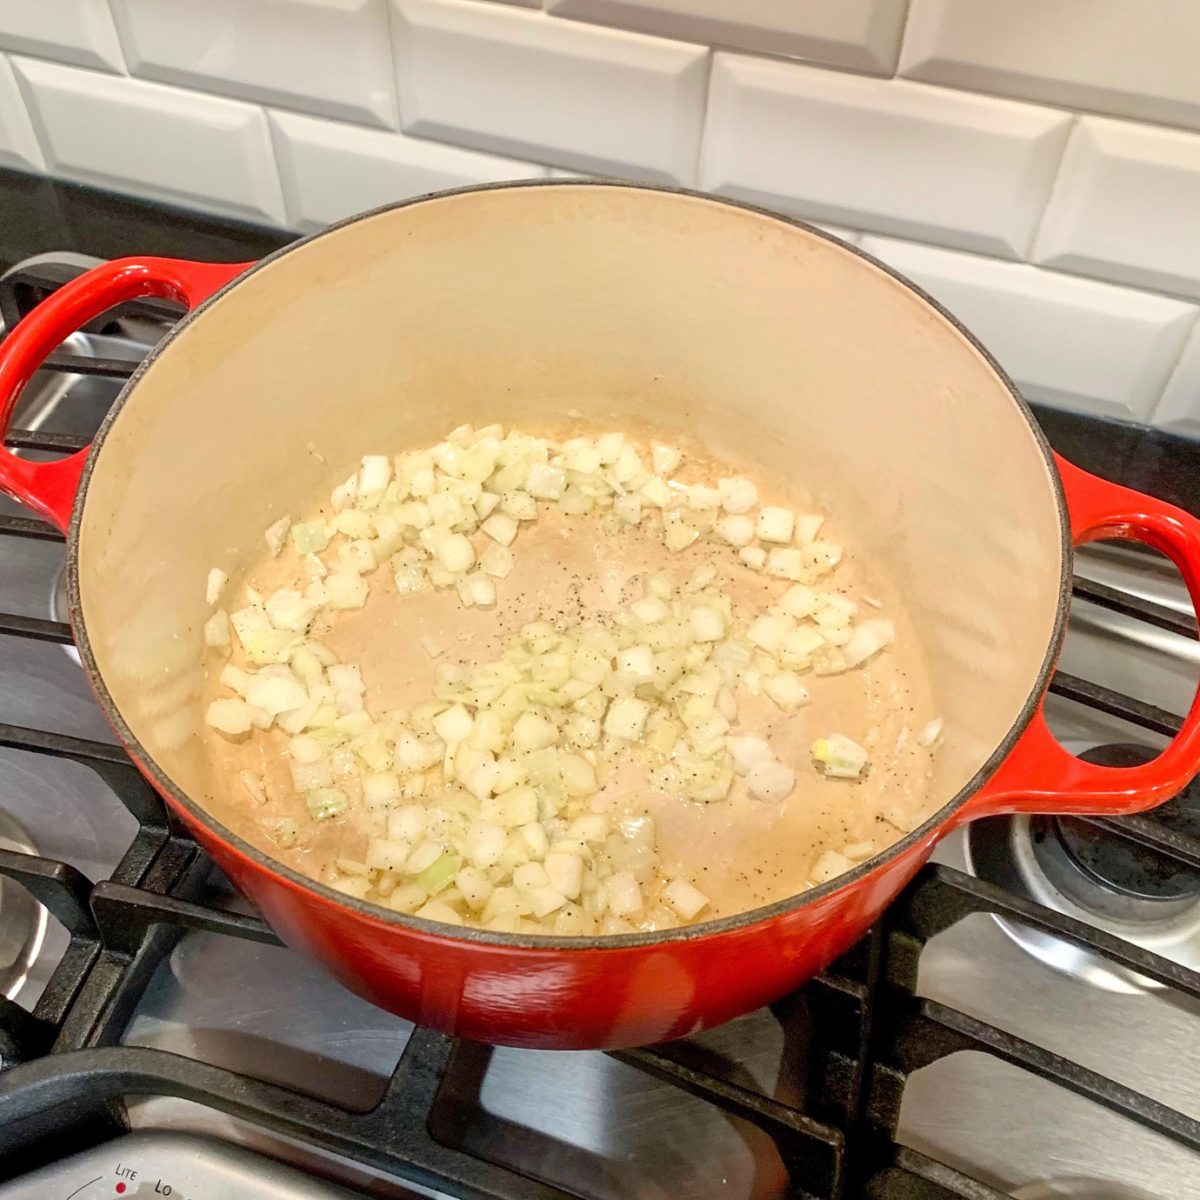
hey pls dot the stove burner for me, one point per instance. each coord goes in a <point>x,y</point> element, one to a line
<point>22,918</point>
<point>1138,872</point>
<point>1112,876</point>
<point>1085,871</point>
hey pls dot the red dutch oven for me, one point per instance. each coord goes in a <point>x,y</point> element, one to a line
<point>767,341</point>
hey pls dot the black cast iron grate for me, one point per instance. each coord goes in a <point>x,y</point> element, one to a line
<point>64,1076</point>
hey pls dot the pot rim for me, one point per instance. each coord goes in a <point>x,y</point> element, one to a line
<point>367,910</point>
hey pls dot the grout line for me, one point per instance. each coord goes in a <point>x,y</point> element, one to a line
<point>1141,289</point>
<point>41,136</point>
<point>289,216</point>
<point>1052,191</point>
<point>705,111</point>
<point>716,45</point>
<point>190,91</point>
<point>980,92</point>
<point>126,60</point>
<point>1192,334</point>
<point>389,29</point>
<point>895,72</point>
<point>1040,268</point>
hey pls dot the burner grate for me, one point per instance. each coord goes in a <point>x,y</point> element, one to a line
<point>65,1075</point>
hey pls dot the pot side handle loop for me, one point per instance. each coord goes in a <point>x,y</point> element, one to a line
<point>1039,775</point>
<point>48,488</point>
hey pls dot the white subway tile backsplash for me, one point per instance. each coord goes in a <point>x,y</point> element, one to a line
<point>1068,240</point>
<point>330,171</point>
<point>1124,57</point>
<point>1126,207</point>
<point>863,35</point>
<point>1179,410</point>
<point>329,57</point>
<point>18,145</point>
<point>73,31</point>
<point>155,141</point>
<point>887,155</point>
<point>512,82</point>
<point>1073,343</point>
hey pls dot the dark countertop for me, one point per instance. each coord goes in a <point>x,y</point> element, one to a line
<point>1146,459</point>
<point>38,215</point>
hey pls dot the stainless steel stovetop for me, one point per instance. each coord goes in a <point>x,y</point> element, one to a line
<point>585,1121</point>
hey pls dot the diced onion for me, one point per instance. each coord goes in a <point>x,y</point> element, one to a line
<point>475,886</point>
<point>456,553</point>
<point>785,688</point>
<point>686,899</point>
<point>858,850</point>
<point>678,536</point>
<point>628,508</point>
<point>626,717</point>
<point>624,894</point>
<point>930,733</point>
<point>770,780</point>
<point>344,590</point>
<point>326,802</point>
<point>477,805</point>
<point>216,630</point>
<point>276,534</point>
<point>767,632</point>
<point>215,585</point>
<point>439,874</point>
<point>708,625</point>
<point>454,724</point>
<point>807,528</point>
<point>738,495</point>
<point>374,474</point>
<point>829,866</point>
<point>435,910</point>
<point>665,459</point>
<point>868,638</point>
<point>736,530</point>
<point>232,716</point>
<point>786,562</point>
<point>546,483</point>
<point>839,757</point>
<point>747,751</point>
<point>501,528</point>
<point>497,560</point>
<point>776,524</point>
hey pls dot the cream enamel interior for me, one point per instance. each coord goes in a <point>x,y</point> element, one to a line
<point>761,340</point>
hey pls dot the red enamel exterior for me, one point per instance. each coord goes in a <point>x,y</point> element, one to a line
<point>609,993</point>
<point>49,488</point>
<point>568,999</point>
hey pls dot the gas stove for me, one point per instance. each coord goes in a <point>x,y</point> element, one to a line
<point>1023,1022</point>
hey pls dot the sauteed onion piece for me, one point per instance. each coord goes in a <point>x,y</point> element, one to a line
<point>488,800</point>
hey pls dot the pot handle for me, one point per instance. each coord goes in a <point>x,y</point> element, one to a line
<point>48,488</point>
<point>1039,775</point>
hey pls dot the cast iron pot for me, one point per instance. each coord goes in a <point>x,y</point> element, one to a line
<point>766,340</point>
